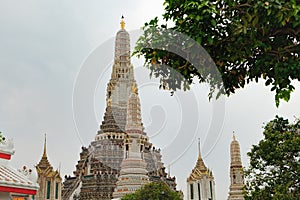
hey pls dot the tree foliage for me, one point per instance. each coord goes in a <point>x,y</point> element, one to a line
<point>248,40</point>
<point>274,171</point>
<point>154,191</point>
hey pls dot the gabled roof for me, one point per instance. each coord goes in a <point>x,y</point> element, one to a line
<point>10,179</point>
<point>14,181</point>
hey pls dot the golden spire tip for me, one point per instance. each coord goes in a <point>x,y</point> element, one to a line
<point>233,136</point>
<point>108,101</point>
<point>122,22</point>
<point>199,152</point>
<point>45,142</point>
<point>134,88</point>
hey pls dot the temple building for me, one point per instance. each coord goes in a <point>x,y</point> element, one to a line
<point>236,172</point>
<point>121,158</point>
<point>200,183</point>
<point>49,179</point>
<point>14,184</point>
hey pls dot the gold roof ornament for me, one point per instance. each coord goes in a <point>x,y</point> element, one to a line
<point>44,163</point>
<point>200,169</point>
<point>134,88</point>
<point>199,152</point>
<point>122,22</point>
<point>45,143</point>
<point>108,101</point>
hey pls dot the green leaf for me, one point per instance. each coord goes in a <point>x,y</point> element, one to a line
<point>210,40</point>
<point>258,39</point>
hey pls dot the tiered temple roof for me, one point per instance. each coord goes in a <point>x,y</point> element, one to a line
<point>109,123</point>
<point>200,183</point>
<point>44,166</point>
<point>200,169</point>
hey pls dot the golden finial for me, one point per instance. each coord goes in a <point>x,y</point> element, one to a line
<point>108,101</point>
<point>233,136</point>
<point>45,142</point>
<point>199,153</point>
<point>134,88</point>
<point>122,22</point>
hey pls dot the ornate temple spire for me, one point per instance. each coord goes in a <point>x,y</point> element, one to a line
<point>114,161</point>
<point>199,152</point>
<point>119,86</point>
<point>236,172</point>
<point>44,163</point>
<point>47,177</point>
<point>200,169</point>
<point>122,22</point>
<point>134,122</point>
<point>200,183</point>
<point>45,150</point>
<point>122,45</point>
<point>235,153</point>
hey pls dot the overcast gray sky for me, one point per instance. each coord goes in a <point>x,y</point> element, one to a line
<point>46,46</point>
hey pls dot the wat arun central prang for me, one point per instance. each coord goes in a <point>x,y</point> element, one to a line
<point>121,158</point>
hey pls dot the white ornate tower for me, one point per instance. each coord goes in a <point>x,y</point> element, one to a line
<point>120,143</point>
<point>200,183</point>
<point>122,78</point>
<point>236,172</point>
<point>133,174</point>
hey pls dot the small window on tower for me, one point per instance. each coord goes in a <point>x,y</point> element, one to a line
<point>56,190</point>
<point>192,191</point>
<point>48,190</point>
<point>211,190</point>
<point>199,191</point>
<point>234,178</point>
